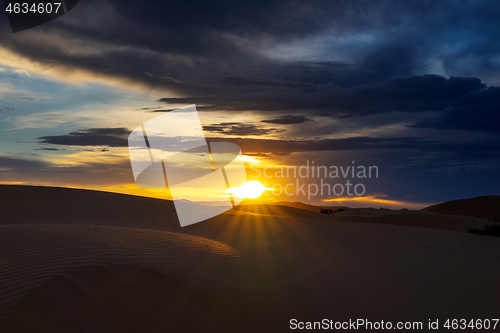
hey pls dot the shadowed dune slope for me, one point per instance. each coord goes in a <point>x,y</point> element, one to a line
<point>278,210</point>
<point>487,208</point>
<point>111,299</point>
<point>33,254</point>
<point>29,204</point>
<point>295,204</point>
<point>412,218</point>
<point>139,271</point>
<point>284,268</point>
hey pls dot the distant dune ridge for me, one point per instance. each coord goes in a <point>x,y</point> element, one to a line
<point>487,208</point>
<point>414,218</point>
<point>89,261</point>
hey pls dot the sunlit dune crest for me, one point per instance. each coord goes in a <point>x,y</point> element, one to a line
<point>250,190</point>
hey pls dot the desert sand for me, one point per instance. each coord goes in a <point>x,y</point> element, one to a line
<point>482,207</point>
<point>414,218</point>
<point>88,261</point>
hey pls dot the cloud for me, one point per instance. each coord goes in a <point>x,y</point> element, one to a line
<point>285,147</point>
<point>478,111</point>
<point>90,173</point>
<point>117,137</point>
<point>479,149</point>
<point>18,164</point>
<point>156,109</point>
<point>161,110</point>
<point>236,56</point>
<point>22,72</point>
<point>111,137</point>
<point>287,120</point>
<point>240,48</point>
<point>239,129</point>
<point>339,59</point>
<point>411,94</point>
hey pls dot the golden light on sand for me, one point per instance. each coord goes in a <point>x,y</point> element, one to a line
<point>250,190</point>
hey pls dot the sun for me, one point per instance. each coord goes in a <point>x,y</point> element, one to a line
<point>250,190</point>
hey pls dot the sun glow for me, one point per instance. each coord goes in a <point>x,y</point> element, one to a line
<point>250,190</point>
<point>249,159</point>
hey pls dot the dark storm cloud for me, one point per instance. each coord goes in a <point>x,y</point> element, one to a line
<point>239,129</point>
<point>217,54</point>
<point>340,59</point>
<point>287,120</point>
<point>480,149</point>
<point>411,94</point>
<point>284,147</point>
<point>478,111</point>
<point>168,44</point>
<point>111,137</point>
<point>117,137</point>
<point>203,49</point>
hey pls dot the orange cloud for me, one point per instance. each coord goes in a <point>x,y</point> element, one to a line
<point>366,199</point>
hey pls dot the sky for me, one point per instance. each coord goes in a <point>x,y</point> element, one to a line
<point>410,87</point>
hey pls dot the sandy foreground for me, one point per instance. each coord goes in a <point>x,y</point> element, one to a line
<point>86,261</point>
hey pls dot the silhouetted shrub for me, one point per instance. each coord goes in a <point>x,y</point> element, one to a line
<point>489,230</point>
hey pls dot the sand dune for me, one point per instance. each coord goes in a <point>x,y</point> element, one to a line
<point>422,219</point>
<point>38,204</point>
<point>298,205</point>
<point>33,254</point>
<point>238,272</point>
<point>110,299</point>
<point>279,210</point>
<point>31,204</point>
<point>305,269</point>
<point>487,208</point>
